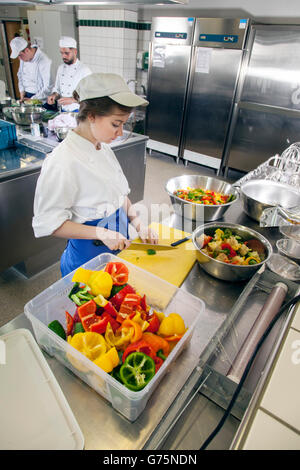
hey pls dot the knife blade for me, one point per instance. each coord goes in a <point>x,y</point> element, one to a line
<point>141,246</point>
<point>149,246</point>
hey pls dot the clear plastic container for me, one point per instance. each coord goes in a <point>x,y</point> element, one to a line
<point>52,303</point>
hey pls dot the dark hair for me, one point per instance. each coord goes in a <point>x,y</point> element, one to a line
<point>103,106</point>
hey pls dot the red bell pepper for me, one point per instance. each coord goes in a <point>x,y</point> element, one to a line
<point>109,308</point>
<point>144,303</point>
<point>158,361</point>
<point>118,298</point>
<point>113,322</point>
<point>154,323</point>
<point>227,246</point>
<point>140,346</point>
<point>69,323</point>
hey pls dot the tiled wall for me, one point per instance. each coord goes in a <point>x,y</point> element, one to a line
<point>109,41</point>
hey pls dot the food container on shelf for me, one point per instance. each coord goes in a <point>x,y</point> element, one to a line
<point>192,210</point>
<point>52,303</point>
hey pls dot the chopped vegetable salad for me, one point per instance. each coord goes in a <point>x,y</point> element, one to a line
<point>229,248</point>
<point>203,196</point>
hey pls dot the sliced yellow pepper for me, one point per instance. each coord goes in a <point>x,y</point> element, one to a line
<point>100,282</point>
<point>100,300</point>
<point>121,340</point>
<point>91,345</point>
<point>173,324</point>
<point>160,315</point>
<point>108,361</point>
<point>143,323</point>
<point>250,258</point>
<point>82,275</point>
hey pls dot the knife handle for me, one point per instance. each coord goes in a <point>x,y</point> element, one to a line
<point>97,242</point>
<point>180,241</point>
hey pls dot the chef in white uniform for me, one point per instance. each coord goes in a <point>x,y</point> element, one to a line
<point>34,74</point>
<point>90,200</point>
<point>68,75</point>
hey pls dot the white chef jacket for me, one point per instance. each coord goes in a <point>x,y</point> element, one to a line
<point>77,183</point>
<point>67,79</point>
<point>35,76</point>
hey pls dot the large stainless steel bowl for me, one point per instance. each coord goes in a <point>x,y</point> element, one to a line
<point>219,269</point>
<point>61,133</point>
<point>258,195</point>
<point>7,112</point>
<point>5,102</point>
<point>25,115</point>
<point>192,210</point>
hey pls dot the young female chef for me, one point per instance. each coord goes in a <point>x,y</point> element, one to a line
<point>81,193</point>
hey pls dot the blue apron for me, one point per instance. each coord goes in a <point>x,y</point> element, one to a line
<point>78,252</point>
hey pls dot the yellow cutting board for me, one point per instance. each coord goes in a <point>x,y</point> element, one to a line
<point>172,265</point>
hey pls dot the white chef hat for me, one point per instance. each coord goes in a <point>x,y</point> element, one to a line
<point>17,45</point>
<point>66,41</point>
<point>97,85</point>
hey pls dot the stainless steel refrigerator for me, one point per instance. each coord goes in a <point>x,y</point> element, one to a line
<point>169,65</point>
<point>266,117</point>
<point>218,49</point>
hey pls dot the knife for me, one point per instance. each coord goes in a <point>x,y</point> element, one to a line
<point>142,246</point>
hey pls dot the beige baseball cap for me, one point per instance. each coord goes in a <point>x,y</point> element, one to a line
<point>17,45</point>
<point>112,85</point>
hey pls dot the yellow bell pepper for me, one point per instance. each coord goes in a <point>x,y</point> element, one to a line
<point>100,282</point>
<point>90,344</point>
<point>108,361</point>
<point>143,323</point>
<point>82,275</point>
<point>120,340</point>
<point>160,315</point>
<point>250,260</point>
<point>100,300</point>
<point>172,325</point>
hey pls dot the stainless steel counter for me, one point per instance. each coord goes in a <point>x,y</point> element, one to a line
<point>236,306</point>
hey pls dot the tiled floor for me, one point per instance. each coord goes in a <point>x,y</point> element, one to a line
<point>16,290</point>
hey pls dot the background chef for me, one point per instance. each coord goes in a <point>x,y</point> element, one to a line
<point>34,74</point>
<point>68,75</point>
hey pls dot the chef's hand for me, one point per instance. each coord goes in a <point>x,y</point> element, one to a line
<point>51,99</point>
<point>148,235</point>
<point>22,95</point>
<point>114,240</point>
<point>65,101</point>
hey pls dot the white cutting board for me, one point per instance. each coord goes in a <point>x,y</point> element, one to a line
<point>34,413</point>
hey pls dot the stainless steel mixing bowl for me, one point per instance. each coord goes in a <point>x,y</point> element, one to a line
<point>290,248</point>
<point>7,112</point>
<point>26,115</point>
<point>258,195</point>
<point>225,271</point>
<point>5,102</point>
<point>61,132</point>
<point>192,210</point>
